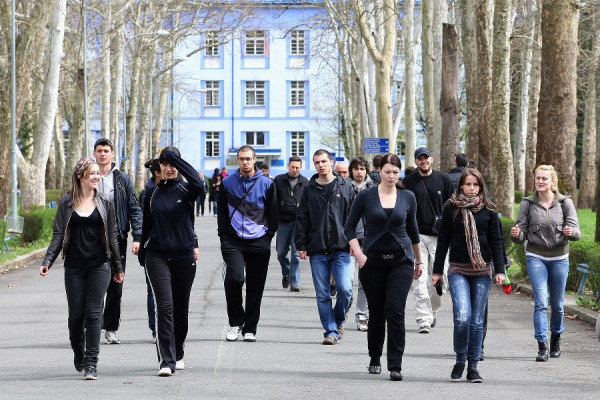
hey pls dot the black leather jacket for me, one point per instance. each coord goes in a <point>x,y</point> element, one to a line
<point>288,199</point>
<point>127,206</point>
<point>62,231</point>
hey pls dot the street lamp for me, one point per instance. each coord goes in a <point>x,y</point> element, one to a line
<point>13,119</point>
<point>160,32</point>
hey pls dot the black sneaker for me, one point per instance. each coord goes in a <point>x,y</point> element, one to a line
<point>457,372</point>
<point>285,282</point>
<point>78,362</point>
<point>90,373</point>
<point>395,375</point>
<point>473,376</point>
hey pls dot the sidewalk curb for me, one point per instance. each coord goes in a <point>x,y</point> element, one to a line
<point>22,260</point>
<point>569,306</point>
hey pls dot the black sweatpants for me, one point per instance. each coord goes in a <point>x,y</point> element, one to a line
<point>386,284</point>
<point>171,282</point>
<point>112,310</point>
<point>256,264</point>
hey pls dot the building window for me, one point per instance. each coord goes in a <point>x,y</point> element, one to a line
<point>297,93</point>
<point>297,143</point>
<point>212,93</point>
<point>255,93</point>
<point>212,43</point>
<point>212,144</point>
<point>298,43</point>
<point>255,44</point>
<point>255,138</point>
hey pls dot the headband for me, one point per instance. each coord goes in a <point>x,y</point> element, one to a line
<point>82,165</point>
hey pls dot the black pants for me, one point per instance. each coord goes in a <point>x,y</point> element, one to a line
<point>200,204</point>
<point>112,310</point>
<point>386,284</point>
<point>256,264</point>
<point>85,289</point>
<point>171,282</point>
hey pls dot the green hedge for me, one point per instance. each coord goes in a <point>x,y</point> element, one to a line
<point>518,196</point>
<point>53,195</point>
<point>37,224</point>
<point>2,229</point>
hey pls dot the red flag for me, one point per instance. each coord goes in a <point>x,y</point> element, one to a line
<point>267,51</point>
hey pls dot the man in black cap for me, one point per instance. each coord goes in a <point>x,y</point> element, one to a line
<point>431,189</point>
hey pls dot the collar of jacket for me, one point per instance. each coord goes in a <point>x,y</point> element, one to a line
<point>337,178</point>
<point>168,182</point>
<point>257,174</point>
<point>534,198</point>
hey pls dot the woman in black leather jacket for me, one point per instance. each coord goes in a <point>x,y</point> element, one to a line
<point>85,231</point>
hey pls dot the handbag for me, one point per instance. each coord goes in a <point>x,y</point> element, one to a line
<point>437,221</point>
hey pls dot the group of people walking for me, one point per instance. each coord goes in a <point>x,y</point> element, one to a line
<point>429,231</point>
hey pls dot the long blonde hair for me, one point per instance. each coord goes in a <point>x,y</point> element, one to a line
<point>81,171</point>
<point>553,176</point>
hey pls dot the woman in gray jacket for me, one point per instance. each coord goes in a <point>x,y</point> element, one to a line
<point>84,229</point>
<point>547,221</point>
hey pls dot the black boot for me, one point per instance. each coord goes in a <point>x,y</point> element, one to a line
<point>542,352</point>
<point>555,345</point>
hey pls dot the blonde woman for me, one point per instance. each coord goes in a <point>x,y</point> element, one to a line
<point>85,231</point>
<point>547,221</point>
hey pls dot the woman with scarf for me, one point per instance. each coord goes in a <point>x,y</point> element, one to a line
<point>471,229</point>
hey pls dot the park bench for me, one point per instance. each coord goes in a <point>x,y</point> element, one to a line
<point>14,227</point>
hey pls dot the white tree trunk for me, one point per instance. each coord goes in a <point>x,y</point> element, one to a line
<point>429,106</point>
<point>409,80</point>
<point>105,71</point>
<point>32,187</point>
<point>440,16</point>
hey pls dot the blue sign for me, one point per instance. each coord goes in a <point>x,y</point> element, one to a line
<point>376,145</point>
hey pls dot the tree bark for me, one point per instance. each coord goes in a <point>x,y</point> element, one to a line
<point>429,106</point>
<point>410,128</point>
<point>557,128</point>
<point>469,53</point>
<point>534,96</point>
<point>449,98</point>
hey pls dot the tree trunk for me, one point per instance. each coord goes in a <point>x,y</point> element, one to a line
<point>105,72</point>
<point>520,136</point>
<point>587,181</point>
<point>502,185</point>
<point>534,97</point>
<point>59,151</point>
<point>161,108</point>
<point>469,46</point>
<point>449,98</point>
<point>429,106</point>
<point>484,99</point>
<point>557,128</point>
<point>144,126</point>
<point>409,80</point>
<point>32,187</point>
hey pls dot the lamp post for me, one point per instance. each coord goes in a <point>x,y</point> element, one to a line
<point>13,120</point>
<point>160,32</point>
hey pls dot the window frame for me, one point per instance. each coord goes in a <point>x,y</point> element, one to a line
<point>299,143</point>
<point>257,92</point>
<point>213,49</point>
<point>296,42</point>
<point>256,135</point>
<point>255,41</point>
<point>297,94</point>
<point>213,137</point>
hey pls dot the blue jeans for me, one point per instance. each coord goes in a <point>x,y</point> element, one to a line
<point>322,265</point>
<point>469,297</point>
<point>290,267</point>
<point>547,277</point>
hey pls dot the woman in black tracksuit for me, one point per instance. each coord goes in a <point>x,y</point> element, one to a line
<point>168,254</point>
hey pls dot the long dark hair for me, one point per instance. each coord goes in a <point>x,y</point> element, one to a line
<point>394,160</point>
<point>482,190</point>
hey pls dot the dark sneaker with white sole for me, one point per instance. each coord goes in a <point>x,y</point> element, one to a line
<point>473,376</point>
<point>457,372</point>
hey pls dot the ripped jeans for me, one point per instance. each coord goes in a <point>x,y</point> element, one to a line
<point>469,297</point>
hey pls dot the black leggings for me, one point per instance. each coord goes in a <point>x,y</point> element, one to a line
<point>171,282</point>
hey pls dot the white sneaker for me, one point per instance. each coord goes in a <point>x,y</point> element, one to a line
<point>425,328</point>
<point>362,325</point>
<point>179,365</point>
<point>166,371</point>
<point>232,333</point>
<point>249,337</point>
<point>111,337</point>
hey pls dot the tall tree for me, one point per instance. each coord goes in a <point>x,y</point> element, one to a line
<point>449,98</point>
<point>502,185</point>
<point>534,96</point>
<point>429,105</point>
<point>557,128</point>
<point>410,128</point>
<point>469,53</point>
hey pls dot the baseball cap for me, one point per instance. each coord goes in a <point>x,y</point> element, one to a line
<point>422,150</point>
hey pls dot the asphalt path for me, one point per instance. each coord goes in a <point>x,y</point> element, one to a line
<point>288,360</point>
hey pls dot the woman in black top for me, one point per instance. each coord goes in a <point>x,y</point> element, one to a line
<point>390,262</point>
<point>85,231</point>
<point>471,229</point>
<point>215,185</point>
<point>169,241</point>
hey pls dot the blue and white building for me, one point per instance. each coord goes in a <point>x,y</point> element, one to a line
<point>263,88</point>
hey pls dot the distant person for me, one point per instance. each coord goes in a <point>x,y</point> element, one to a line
<point>223,173</point>
<point>202,195</point>
<point>289,187</point>
<point>119,188</point>
<point>215,186</point>
<point>431,189</point>
<point>85,231</point>
<point>374,174</point>
<point>461,162</point>
<point>360,180</point>
<point>264,167</point>
<point>169,254</point>
<point>324,206</point>
<point>341,168</point>
<point>471,230</point>
<point>546,223</point>
<point>409,170</point>
<point>247,221</point>
<point>389,260</point>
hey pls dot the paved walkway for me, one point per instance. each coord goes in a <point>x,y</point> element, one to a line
<point>287,361</point>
